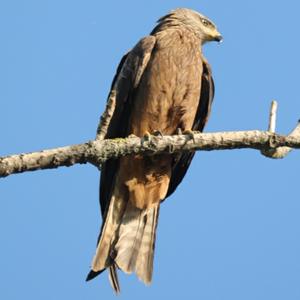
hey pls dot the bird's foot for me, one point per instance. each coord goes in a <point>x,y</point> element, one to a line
<point>157,133</point>
<point>190,134</point>
<point>146,137</point>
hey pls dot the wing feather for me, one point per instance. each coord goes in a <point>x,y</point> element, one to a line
<point>125,82</point>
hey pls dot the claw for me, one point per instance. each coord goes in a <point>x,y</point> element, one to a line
<point>190,133</point>
<point>179,131</point>
<point>146,137</point>
<point>157,133</point>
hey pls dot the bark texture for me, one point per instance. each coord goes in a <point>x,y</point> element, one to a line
<point>98,151</point>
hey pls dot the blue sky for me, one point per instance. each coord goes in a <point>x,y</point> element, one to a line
<point>231,231</point>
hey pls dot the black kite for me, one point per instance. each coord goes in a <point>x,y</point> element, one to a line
<point>164,83</point>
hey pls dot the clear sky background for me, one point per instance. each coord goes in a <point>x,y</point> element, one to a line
<point>231,230</point>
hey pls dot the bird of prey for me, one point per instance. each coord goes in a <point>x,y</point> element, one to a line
<point>163,84</point>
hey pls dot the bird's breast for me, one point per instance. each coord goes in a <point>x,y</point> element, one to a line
<point>169,92</point>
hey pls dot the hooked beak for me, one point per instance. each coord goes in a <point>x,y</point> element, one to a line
<point>218,38</point>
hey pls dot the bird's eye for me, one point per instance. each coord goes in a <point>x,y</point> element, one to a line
<point>204,22</point>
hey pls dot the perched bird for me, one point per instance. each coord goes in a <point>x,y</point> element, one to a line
<point>163,84</point>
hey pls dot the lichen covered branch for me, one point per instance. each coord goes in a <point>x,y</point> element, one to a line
<point>279,152</point>
<point>98,151</point>
<point>46,159</point>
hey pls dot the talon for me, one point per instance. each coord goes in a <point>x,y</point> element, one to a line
<point>157,133</point>
<point>146,137</point>
<point>171,149</point>
<point>179,131</point>
<point>190,133</point>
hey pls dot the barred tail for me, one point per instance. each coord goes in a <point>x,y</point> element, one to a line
<point>136,241</point>
<point>127,241</point>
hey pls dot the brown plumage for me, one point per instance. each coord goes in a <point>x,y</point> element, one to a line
<point>163,83</point>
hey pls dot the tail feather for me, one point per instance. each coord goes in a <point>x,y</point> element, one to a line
<point>127,241</point>
<point>113,278</point>
<point>146,253</point>
<point>130,236</point>
<point>104,253</point>
<point>135,246</point>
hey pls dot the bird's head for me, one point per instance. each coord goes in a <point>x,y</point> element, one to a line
<point>204,28</point>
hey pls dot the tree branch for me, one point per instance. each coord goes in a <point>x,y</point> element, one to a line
<point>98,151</point>
<point>45,159</point>
<point>272,117</point>
<point>280,152</point>
<point>106,116</point>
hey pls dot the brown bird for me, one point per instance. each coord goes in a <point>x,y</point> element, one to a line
<point>163,84</point>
